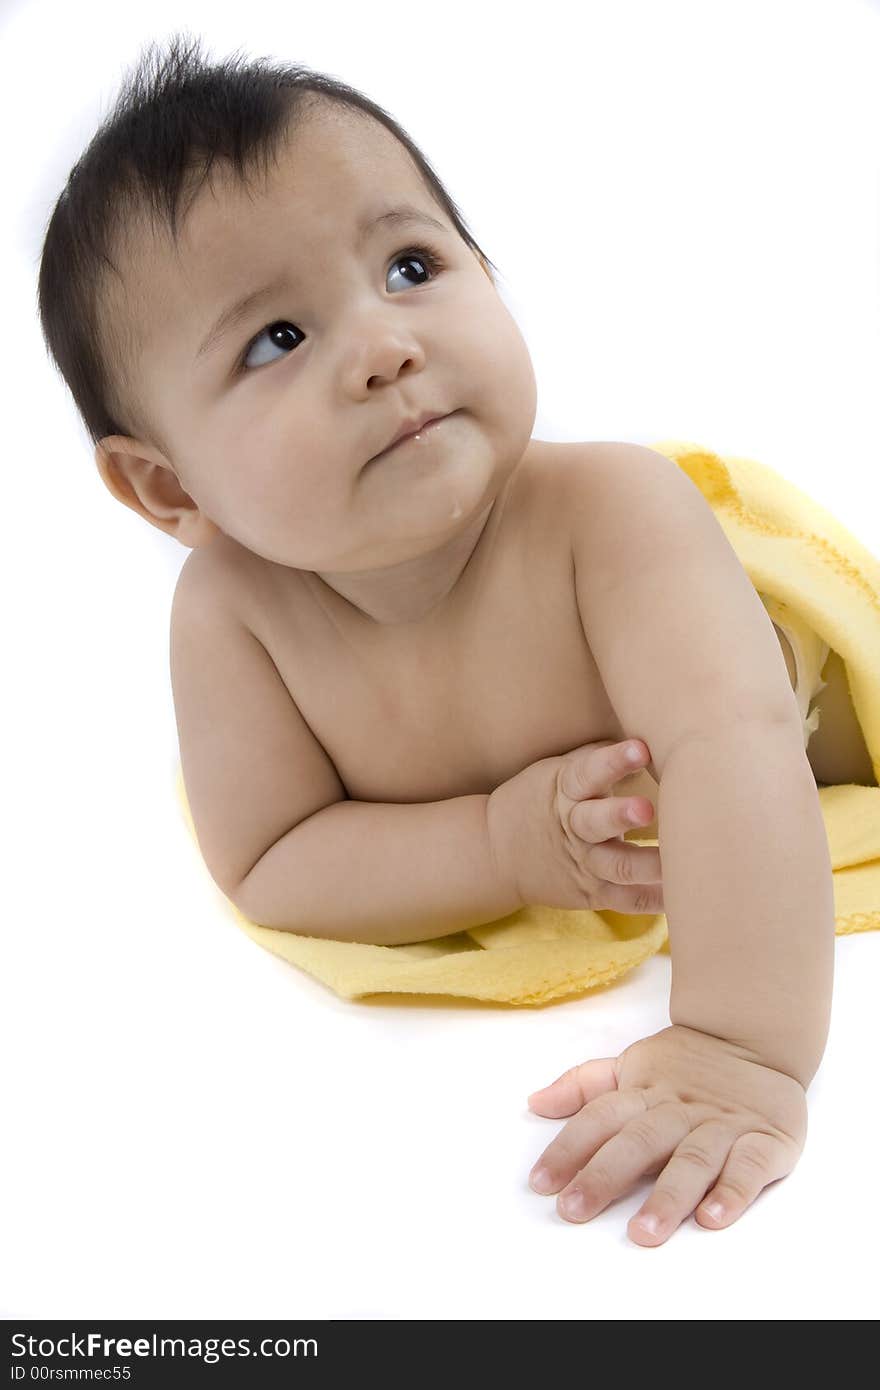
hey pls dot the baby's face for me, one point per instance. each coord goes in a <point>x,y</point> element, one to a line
<point>273,424</point>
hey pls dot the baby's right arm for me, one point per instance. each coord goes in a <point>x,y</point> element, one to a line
<point>283,842</point>
<point>274,826</point>
<point>389,874</point>
<point>381,872</point>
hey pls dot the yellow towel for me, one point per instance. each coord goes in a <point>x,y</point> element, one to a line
<point>804,564</point>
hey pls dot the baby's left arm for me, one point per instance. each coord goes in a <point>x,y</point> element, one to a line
<point>716,1103</point>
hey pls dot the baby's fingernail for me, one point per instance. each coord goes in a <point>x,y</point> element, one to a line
<point>649,1223</point>
<point>541,1181</point>
<point>573,1205</point>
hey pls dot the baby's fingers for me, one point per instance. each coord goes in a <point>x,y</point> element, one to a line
<point>632,899</point>
<point>628,876</point>
<point>601,818</point>
<point>713,1177</point>
<point>621,861</point>
<point>591,771</point>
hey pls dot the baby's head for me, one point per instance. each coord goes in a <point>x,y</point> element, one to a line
<point>370,305</point>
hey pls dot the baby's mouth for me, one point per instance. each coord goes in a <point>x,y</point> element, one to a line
<point>414,435</point>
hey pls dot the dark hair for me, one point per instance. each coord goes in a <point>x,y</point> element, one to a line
<point>157,146</point>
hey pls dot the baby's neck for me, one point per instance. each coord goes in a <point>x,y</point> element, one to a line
<point>418,589</point>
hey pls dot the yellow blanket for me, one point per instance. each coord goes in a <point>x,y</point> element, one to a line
<point>793,550</point>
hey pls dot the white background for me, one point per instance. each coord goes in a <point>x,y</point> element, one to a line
<point>684,202</point>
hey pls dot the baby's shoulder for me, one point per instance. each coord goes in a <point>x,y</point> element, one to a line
<point>564,481</point>
<point>589,462</point>
<point>598,484</point>
<point>209,574</point>
<point>593,497</point>
<point>556,470</point>
<point>228,573</point>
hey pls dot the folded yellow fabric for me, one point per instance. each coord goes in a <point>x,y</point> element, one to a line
<point>804,564</point>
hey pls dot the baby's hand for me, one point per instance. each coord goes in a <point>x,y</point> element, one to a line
<point>556,833</point>
<point>717,1126</point>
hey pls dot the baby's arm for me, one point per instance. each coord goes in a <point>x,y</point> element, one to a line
<point>749,893</point>
<point>690,661</point>
<point>715,1103</point>
<point>380,872</point>
<point>426,870</point>
<point>274,826</point>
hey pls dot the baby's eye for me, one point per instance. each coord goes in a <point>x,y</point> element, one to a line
<point>421,256</point>
<point>280,333</point>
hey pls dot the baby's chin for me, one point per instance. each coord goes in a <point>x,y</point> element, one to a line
<point>435,514</point>
<point>444,474</point>
<point>415,537</point>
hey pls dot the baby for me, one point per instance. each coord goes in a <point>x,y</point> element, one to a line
<point>413,641</point>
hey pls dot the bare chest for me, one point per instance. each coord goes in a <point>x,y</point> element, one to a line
<point>411,714</point>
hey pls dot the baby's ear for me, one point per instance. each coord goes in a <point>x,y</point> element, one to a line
<point>140,477</point>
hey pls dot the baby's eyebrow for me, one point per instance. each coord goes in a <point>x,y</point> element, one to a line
<point>404,215</point>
